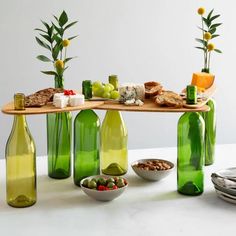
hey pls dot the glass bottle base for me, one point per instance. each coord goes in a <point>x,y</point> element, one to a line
<point>190,189</point>
<point>21,201</point>
<point>114,169</point>
<point>59,174</point>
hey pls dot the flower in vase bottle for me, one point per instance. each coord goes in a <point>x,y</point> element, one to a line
<point>208,30</point>
<point>201,11</point>
<point>210,47</point>
<point>51,37</point>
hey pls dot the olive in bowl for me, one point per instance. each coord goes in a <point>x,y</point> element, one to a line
<point>103,188</point>
<point>152,169</point>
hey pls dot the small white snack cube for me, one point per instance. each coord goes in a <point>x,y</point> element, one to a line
<point>76,100</point>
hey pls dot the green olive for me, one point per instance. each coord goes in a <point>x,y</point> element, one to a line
<point>101,181</point>
<point>110,184</point>
<point>94,179</point>
<point>85,183</point>
<point>92,184</point>
<point>110,180</point>
<point>120,183</point>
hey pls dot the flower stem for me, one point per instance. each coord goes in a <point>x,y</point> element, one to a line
<point>205,52</point>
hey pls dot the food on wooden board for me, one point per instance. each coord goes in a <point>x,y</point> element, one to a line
<point>60,98</point>
<point>203,80</point>
<point>41,97</point>
<point>152,89</point>
<point>72,99</point>
<point>132,94</point>
<point>170,99</point>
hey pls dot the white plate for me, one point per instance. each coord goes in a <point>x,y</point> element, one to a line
<point>225,198</point>
<point>230,172</point>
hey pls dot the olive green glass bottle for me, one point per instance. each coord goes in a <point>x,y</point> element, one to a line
<point>86,145</point>
<point>190,176</point>
<point>20,161</point>
<point>114,136</point>
<point>210,132</point>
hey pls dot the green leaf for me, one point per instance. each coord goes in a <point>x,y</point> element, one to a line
<point>66,68</point>
<point>68,59</point>
<point>73,37</point>
<point>206,21</point>
<point>57,38</point>
<point>215,25</point>
<point>202,41</point>
<point>204,49</point>
<point>215,35</point>
<point>56,51</point>
<point>59,30</point>
<point>50,73</point>
<point>63,19</point>
<point>217,50</point>
<point>41,43</point>
<point>56,18</point>
<point>71,24</point>
<point>214,17</point>
<point>41,30</point>
<point>43,58</point>
<point>212,31</point>
<point>50,31</point>
<point>46,37</point>
<point>209,15</point>
<point>202,29</point>
<point>46,25</point>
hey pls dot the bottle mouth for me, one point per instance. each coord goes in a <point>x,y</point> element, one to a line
<point>19,101</point>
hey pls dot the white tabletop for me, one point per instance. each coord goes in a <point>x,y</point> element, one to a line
<point>146,208</point>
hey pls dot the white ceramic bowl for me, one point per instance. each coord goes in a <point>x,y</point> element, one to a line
<point>108,195</point>
<point>152,175</point>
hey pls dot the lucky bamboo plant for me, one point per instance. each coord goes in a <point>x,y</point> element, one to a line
<point>208,28</point>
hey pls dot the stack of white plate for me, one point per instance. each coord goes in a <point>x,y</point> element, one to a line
<point>225,184</point>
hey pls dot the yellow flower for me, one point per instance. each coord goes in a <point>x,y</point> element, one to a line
<point>210,47</point>
<point>66,43</point>
<point>59,64</point>
<point>207,36</point>
<point>201,11</point>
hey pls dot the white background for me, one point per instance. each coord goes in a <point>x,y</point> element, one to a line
<point>140,40</point>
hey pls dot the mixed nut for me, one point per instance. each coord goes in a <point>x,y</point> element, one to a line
<point>104,184</point>
<point>154,165</point>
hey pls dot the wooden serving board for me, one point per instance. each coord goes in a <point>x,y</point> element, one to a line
<point>9,108</point>
<point>207,95</point>
<point>149,106</point>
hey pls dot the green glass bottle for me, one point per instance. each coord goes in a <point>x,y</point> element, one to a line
<point>59,127</point>
<point>59,134</point>
<point>20,161</point>
<point>86,145</point>
<point>114,136</point>
<point>190,176</point>
<point>210,132</point>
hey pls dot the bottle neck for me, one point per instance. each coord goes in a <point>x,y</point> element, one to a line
<point>19,122</point>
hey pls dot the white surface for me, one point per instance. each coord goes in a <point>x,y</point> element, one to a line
<point>144,209</point>
<point>138,40</point>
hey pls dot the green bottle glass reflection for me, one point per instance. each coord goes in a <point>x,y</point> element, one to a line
<point>86,145</point>
<point>59,130</point>
<point>190,176</point>
<point>20,161</point>
<point>114,136</point>
<point>59,127</point>
<point>210,132</point>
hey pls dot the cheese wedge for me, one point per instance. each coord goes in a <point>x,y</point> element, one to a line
<point>203,80</point>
